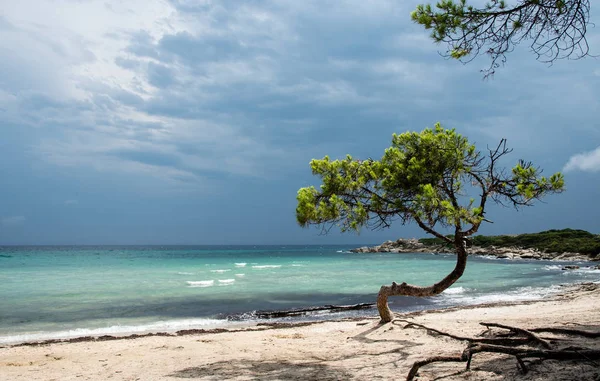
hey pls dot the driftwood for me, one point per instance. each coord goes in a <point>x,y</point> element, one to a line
<point>532,336</point>
<point>306,311</point>
<point>526,345</point>
<point>568,331</point>
<point>492,340</point>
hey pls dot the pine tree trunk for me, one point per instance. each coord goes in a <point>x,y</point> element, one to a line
<point>405,289</point>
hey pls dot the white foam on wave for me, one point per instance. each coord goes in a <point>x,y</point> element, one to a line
<point>220,271</point>
<point>240,275</point>
<point>241,264</point>
<point>116,330</point>
<point>580,271</point>
<point>517,295</point>
<point>201,283</point>
<point>552,267</point>
<point>295,265</point>
<point>184,273</point>
<point>266,267</point>
<point>455,291</point>
<point>226,282</point>
<point>490,257</point>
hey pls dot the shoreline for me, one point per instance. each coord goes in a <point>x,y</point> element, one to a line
<point>460,295</point>
<point>566,289</point>
<point>358,348</point>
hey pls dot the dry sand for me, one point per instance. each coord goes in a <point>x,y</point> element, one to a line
<point>342,350</point>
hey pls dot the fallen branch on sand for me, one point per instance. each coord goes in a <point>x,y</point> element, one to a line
<point>309,310</point>
<point>523,344</point>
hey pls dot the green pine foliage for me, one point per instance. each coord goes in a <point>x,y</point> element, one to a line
<point>420,178</point>
<point>554,29</point>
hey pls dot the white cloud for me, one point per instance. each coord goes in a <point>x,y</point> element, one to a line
<point>13,221</point>
<point>187,91</point>
<point>586,161</point>
<point>95,107</point>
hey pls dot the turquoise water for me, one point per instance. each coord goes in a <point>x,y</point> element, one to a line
<point>51,292</point>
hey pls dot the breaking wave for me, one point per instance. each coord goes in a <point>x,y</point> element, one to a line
<point>201,283</point>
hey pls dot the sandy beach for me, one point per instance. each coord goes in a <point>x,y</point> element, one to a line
<point>334,350</point>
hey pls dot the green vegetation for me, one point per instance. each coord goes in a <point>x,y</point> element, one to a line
<point>554,29</point>
<point>422,177</point>
<point>550,241</point>
<point>419,178</point>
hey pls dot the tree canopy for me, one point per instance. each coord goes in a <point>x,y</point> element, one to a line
<point>554,29</point>
<point>423,177</point>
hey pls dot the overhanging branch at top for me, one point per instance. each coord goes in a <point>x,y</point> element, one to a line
<point>554,29</point>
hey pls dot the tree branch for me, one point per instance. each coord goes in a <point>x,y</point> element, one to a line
<point>431,231</point>
<point>556,29</point>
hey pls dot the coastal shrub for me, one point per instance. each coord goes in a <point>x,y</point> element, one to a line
<point>550,241</point>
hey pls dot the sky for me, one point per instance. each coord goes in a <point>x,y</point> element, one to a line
<point>193,122</point>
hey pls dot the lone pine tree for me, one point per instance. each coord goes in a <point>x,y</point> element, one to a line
<point>425,178</point>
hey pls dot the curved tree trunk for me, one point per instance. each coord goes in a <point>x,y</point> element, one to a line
<point>409,290</point>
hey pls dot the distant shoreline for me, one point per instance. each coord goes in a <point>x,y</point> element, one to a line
<point>554,245</point>
<point>406,246</point>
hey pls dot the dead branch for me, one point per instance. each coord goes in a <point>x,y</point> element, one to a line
<point>523,353</point>
<point>419,364</point>
<point>515,346</point>
<point>568,331</point>
<point>522,331</point>
<point>493,340</point>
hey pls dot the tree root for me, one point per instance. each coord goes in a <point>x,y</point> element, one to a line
<point>492,340</point>
<point>532,336</point>
<point>418,364</point>
<point>568,331</point>
<point>511,346</point>
<point>523,353</point>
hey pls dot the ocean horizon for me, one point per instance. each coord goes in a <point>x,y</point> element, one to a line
<point>54,292</point>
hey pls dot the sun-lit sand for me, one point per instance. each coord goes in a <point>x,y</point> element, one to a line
<point>341,350</point>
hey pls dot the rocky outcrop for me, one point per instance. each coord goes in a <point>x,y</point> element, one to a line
<point>402,246</point>
<point>414,246</point>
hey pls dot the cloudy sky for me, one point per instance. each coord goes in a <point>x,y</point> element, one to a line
<point>193,122</point>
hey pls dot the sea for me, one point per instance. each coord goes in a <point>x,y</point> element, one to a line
<point>60,292</point>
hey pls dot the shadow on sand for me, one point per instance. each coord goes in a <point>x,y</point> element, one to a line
<point>264,370</point>
<point>315,366</point>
